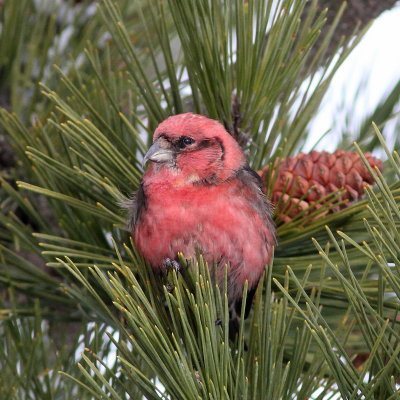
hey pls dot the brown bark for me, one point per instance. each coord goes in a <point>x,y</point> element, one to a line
<point>356,12</point>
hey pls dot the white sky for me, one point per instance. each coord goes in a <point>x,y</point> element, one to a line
<point>375,65</point>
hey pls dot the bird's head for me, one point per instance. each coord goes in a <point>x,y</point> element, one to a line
<point>195,148</point>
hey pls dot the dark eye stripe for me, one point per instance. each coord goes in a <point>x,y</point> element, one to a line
<point>221,145</point>
<point>204,143</point>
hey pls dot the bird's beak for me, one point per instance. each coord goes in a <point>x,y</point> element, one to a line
<point>159,152</point>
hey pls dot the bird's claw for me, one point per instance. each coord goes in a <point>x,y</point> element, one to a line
<point>169,287</point>
<point>172,264</point>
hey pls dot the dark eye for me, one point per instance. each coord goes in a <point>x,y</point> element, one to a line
<point>185,141</point>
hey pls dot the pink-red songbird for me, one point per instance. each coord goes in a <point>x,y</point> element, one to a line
<point>199,194</point>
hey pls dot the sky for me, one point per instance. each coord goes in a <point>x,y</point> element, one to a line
<point>375,65</point>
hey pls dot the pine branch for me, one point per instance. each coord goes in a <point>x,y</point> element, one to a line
<point>315,310</point>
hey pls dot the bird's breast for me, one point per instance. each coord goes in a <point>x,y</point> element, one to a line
<point>215,219</point>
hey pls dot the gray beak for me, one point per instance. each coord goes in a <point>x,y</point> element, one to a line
<point>158,153</point>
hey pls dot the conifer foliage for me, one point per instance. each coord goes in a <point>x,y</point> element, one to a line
<point>82,88</point>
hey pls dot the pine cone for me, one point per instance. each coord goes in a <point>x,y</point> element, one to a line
<point>307,182</point>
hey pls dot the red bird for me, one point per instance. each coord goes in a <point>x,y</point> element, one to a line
<point>200,194</point>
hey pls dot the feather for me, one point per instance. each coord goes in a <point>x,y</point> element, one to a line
<point>199,193</point>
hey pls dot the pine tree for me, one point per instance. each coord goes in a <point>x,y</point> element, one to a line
<point>82,316</point>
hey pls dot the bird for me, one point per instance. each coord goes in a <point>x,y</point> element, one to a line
<point>200,195</point>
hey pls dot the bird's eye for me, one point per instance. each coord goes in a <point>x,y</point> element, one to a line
<point>185,141</point>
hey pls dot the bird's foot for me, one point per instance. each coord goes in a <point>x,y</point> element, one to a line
<point>177,266</point>
<point>170,288</point>
<point>172,265</point>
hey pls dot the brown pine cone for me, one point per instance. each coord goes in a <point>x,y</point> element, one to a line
<point>302,182</point>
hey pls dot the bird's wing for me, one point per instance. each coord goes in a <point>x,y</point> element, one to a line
<point>135,204</point>
<point>255,185</point>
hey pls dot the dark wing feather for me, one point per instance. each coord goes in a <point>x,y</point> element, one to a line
<point>247,172</point>
<point>252,181</point>
<point>134,205</point>
<point>255,184</point>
